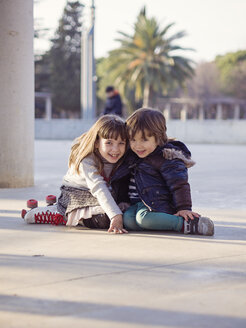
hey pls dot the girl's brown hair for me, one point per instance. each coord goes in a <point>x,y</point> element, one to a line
<point>150,121</point>
<point>106,127</point>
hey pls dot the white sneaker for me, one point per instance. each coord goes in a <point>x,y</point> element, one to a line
<point>199,226</point>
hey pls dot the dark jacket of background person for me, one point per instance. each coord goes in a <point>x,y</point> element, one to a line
<point>113,105</point>
<point>162,184</point>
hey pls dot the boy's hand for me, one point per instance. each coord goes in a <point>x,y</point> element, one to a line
<point>116,225</point>
<point>186,214</point>
<point>123,206</point>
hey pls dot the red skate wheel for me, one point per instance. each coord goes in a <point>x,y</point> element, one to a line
<point>51,199</point>
<point>23,213</point>
<point>32,203</point>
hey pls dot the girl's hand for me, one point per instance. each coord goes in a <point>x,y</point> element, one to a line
<point>116,225</point>
<point>123,206</point>
<point>186,214</point>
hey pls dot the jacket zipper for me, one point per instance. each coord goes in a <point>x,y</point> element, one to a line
<point>150,209</point>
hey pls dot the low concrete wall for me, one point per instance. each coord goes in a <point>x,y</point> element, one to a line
<point>208,131</point>
<point>61,129</point>
<point>190,131</point>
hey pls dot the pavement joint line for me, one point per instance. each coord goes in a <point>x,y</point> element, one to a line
<point>145,268</point>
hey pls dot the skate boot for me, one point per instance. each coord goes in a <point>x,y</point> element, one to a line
<point>47,214</point>
<point>199,226</point>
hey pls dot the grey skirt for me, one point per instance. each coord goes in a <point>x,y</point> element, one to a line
<point>74,198</point>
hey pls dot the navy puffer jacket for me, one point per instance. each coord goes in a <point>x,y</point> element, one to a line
<point>162,183</point>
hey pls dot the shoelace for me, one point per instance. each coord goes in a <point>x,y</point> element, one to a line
<point>193,226</point>
<point>49,217</point>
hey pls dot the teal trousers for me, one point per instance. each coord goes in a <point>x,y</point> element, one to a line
<point>138,218</point>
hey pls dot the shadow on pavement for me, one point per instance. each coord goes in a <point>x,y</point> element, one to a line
<point>118,314</point>
<point>225,232</point>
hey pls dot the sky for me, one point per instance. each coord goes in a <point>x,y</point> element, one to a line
<point>213,27</point>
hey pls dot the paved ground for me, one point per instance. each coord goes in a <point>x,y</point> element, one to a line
<point>57,276</point>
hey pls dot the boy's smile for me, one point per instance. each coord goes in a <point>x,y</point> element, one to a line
<point>143,146</point>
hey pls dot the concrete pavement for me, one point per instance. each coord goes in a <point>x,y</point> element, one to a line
<point>58,276</point>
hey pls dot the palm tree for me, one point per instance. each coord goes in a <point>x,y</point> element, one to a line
<point>146,60</point>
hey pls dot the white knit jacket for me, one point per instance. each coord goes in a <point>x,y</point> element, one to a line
<point>89,179</point>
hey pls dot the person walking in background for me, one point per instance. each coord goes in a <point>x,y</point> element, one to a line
<point>113,103</point>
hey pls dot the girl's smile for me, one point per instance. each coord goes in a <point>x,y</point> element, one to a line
<point>111,150</point>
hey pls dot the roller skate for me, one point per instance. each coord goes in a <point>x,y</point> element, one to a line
<point>47,214</point>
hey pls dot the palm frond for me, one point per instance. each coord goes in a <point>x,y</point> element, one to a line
<point>147,57</point>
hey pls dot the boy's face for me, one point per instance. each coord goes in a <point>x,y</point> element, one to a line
<point>110,149</point>
<point>110,94</point>
<point>143,146</point>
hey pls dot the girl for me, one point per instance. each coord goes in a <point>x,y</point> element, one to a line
<point>89,194</point>
<point>159,191</point>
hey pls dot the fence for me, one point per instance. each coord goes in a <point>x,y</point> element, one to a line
<point>220,121</point>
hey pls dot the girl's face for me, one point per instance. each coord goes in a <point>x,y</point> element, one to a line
<point>143,146</point>
<point>110,149</point>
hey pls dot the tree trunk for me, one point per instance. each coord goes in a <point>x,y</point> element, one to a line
<point>146,95</point>
<point>148,100</point>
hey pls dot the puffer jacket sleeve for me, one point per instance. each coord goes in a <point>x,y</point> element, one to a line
<point>175,174</point>
<point>98,187</point>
